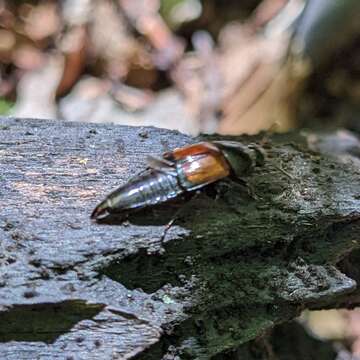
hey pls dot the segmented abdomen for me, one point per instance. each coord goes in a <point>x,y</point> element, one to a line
<point>149,189</point>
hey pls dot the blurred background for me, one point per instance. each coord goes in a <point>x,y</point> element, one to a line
<point>231,67</point>
<point>196,66</point>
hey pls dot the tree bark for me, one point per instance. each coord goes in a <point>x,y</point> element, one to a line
<point>231,267</point>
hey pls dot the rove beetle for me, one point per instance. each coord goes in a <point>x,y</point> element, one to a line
<point>179,171</point>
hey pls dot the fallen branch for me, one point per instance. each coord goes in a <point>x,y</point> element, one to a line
<point>232,266</point>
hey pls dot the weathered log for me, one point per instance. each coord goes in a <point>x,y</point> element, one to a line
<point>231,267</point>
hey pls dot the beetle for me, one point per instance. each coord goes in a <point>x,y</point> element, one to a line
<point>182,170</point>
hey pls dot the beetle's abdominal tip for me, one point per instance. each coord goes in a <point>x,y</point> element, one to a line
<point>100,212</point>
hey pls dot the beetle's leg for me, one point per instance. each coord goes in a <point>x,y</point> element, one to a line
<point>170,224</point>
<point>175,217</point>
<point>162,165</point>
<point>218,190</point>
<point>245,186</point>
<point>167,227</point>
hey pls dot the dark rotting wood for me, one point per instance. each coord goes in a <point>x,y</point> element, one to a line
<point>235,262</point>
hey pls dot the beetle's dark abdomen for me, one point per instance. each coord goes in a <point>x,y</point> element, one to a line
<point>149,189</point>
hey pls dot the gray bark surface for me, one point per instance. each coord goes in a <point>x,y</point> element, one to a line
<point>231,267</point>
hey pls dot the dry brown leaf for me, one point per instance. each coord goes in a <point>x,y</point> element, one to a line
<point>36,90</point>
<point>28,57</point>
<point>110,39</point>
<point>42,21</point>
<point>198,77</point>
<point>144,15</point>
<point>7,44</point>
<point>73,45</point>
<point>258,87</point>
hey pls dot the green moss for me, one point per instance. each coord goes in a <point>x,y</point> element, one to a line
<point>5,106</point>
<point>166,7</point>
